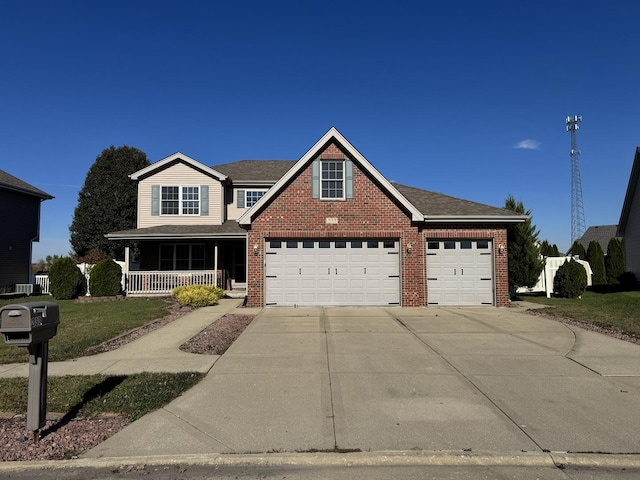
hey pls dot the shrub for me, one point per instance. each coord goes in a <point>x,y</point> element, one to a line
<point>104,279</point>
<point>595,257</point>
<point>570,280</point>
<point>197,295</point>
<point>614,261</point>
<point>66,279</point>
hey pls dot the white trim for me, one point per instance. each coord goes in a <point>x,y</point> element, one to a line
<point>177,157</point>
<point>475,218</point>
<point>333,133</point>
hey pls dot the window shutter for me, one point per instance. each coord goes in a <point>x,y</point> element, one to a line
<point>240,203</point>
<point>155,200</point>
<point>348,178</point>
<point>204,200</point>
<point>315,179</point>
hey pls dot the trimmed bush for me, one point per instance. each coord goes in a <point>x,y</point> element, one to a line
<point>104,279</point>
<point>614,262</point>
<point>66,279</point>
<point>570,280</point>
<point>595,257</point>
<point>197,295</point>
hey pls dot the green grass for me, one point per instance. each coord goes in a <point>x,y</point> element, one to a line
<point>83,325</point>
<point>619,310</point>
<point>89,396</point>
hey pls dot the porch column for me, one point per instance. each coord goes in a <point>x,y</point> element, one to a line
<point>126,260</point>
<point>215,260</point>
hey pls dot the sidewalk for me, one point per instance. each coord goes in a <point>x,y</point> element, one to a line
<point>157,351</point>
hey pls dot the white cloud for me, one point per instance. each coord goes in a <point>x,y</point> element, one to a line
<point>528,144</point>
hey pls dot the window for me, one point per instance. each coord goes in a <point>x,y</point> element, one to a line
<point>332,179</point>
<point>251,197</point>
<point>433,245</point>
<point>465,244</point>
<point>176,200</point>
<point>182,256</point>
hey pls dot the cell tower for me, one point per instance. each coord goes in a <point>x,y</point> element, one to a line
<point>577,208</point>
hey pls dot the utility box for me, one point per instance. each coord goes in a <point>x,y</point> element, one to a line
<point>29,323</point>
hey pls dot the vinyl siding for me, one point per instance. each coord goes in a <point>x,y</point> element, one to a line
<point>632,236</point>
<point>179,175</point>
<point>19,217</point>
<point>233,212</point>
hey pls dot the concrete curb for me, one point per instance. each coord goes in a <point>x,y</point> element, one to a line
<point>356,459</point>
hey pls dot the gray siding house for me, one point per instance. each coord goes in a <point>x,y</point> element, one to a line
<point>629,225</point>
<point>20,220</point>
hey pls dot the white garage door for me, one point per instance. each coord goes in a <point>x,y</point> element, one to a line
<point>460,272</point>
<point>332,272</point>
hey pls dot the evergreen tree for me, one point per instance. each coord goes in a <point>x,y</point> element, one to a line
<point>525,263</point>
<point>578,249</point>
<point>548,250</point>
<point>595,257</point>
<point>107,201</point>
<point>614,261</point>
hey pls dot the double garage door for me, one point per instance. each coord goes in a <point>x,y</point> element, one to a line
<point>332,272</point>
<point>460,272</point>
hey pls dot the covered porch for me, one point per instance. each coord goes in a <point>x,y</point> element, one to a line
<point>170,256</point>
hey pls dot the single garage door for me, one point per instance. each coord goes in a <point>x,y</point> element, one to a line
<point>332,272</point>
<point>460,272</point>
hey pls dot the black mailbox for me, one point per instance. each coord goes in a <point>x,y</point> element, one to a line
<point>29,323</point>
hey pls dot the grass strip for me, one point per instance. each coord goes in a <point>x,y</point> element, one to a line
<point>92,395</point>
<point>618,310</point>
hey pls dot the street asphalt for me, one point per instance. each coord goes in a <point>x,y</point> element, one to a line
<point>385,386</point>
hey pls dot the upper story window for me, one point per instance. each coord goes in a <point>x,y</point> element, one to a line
<point>176,200</point>
<point>332,179</point>
<point>248,198</point>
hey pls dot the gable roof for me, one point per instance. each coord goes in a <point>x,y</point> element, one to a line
<point>9,182</point>
<point>255,171</point>
<point>631,192</point>
<point>177,157</point>
<point>437,207</point>
<point>600,233</point>
<point>332,135</point>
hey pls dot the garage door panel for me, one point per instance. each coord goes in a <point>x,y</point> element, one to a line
<point>460,272</point>
<point>348,272</point>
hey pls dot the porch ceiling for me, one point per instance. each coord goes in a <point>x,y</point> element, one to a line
<point>229,229</point>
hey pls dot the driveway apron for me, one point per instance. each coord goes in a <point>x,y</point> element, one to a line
<point>374,379</point>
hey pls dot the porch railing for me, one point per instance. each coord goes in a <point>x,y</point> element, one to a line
<point>162,282</point>
<point>43,282</point>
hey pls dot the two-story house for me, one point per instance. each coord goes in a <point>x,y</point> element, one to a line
<point>327,229</point>
<point>20,223</point>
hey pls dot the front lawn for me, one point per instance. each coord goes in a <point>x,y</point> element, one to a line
<point>83,325</point>
<point>619,311</point>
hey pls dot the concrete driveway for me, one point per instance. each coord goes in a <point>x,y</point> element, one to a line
<point>379,379</point>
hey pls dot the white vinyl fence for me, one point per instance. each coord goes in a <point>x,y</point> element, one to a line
<point>545,281</point>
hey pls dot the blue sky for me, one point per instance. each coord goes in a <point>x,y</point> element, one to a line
<point>437,95</point>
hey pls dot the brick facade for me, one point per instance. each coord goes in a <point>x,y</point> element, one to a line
<point>371,213</point>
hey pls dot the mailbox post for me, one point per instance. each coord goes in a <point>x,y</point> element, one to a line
<point>32,325</point>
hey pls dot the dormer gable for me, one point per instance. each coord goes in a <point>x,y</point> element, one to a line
<point>172,160</point>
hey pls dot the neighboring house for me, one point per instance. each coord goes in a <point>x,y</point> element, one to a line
<point>601,234</point>
<point>327,229</point>
<point>629,225</point>
<point>20,223</point>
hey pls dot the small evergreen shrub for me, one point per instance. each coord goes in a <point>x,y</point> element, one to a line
<point>66,281</point>
<point>570,280</point>
<point>614,262</point>
<point>104,279</point>
<point>595,257</point>
<point>197,295</point>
